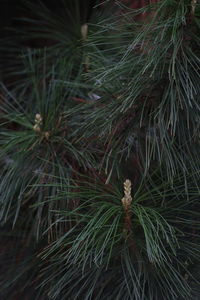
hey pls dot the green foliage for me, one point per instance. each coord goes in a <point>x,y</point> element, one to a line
<point>147,76</point>
<point>29,157</point>
<point>82,110</point>
<point>152,256</point>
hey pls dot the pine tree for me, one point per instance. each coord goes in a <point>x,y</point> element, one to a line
<point>99,152</point>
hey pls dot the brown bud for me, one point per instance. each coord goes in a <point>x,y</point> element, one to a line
<point>127,199</point>
<point>36,128</point>
<point>84,31</point>
<point>38,119</point>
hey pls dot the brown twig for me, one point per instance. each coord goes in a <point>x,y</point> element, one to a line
<point>126,202</point>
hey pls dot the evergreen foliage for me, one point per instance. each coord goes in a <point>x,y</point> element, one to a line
<point>99,153</point>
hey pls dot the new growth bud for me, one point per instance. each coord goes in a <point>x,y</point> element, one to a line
<point>38,122</point>
<point>127,199</point>
<point>84,31</point>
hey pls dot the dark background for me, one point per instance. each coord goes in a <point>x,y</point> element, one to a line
<point>12,9</point>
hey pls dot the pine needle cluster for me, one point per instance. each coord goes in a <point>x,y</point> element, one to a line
<point>99,153</point>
